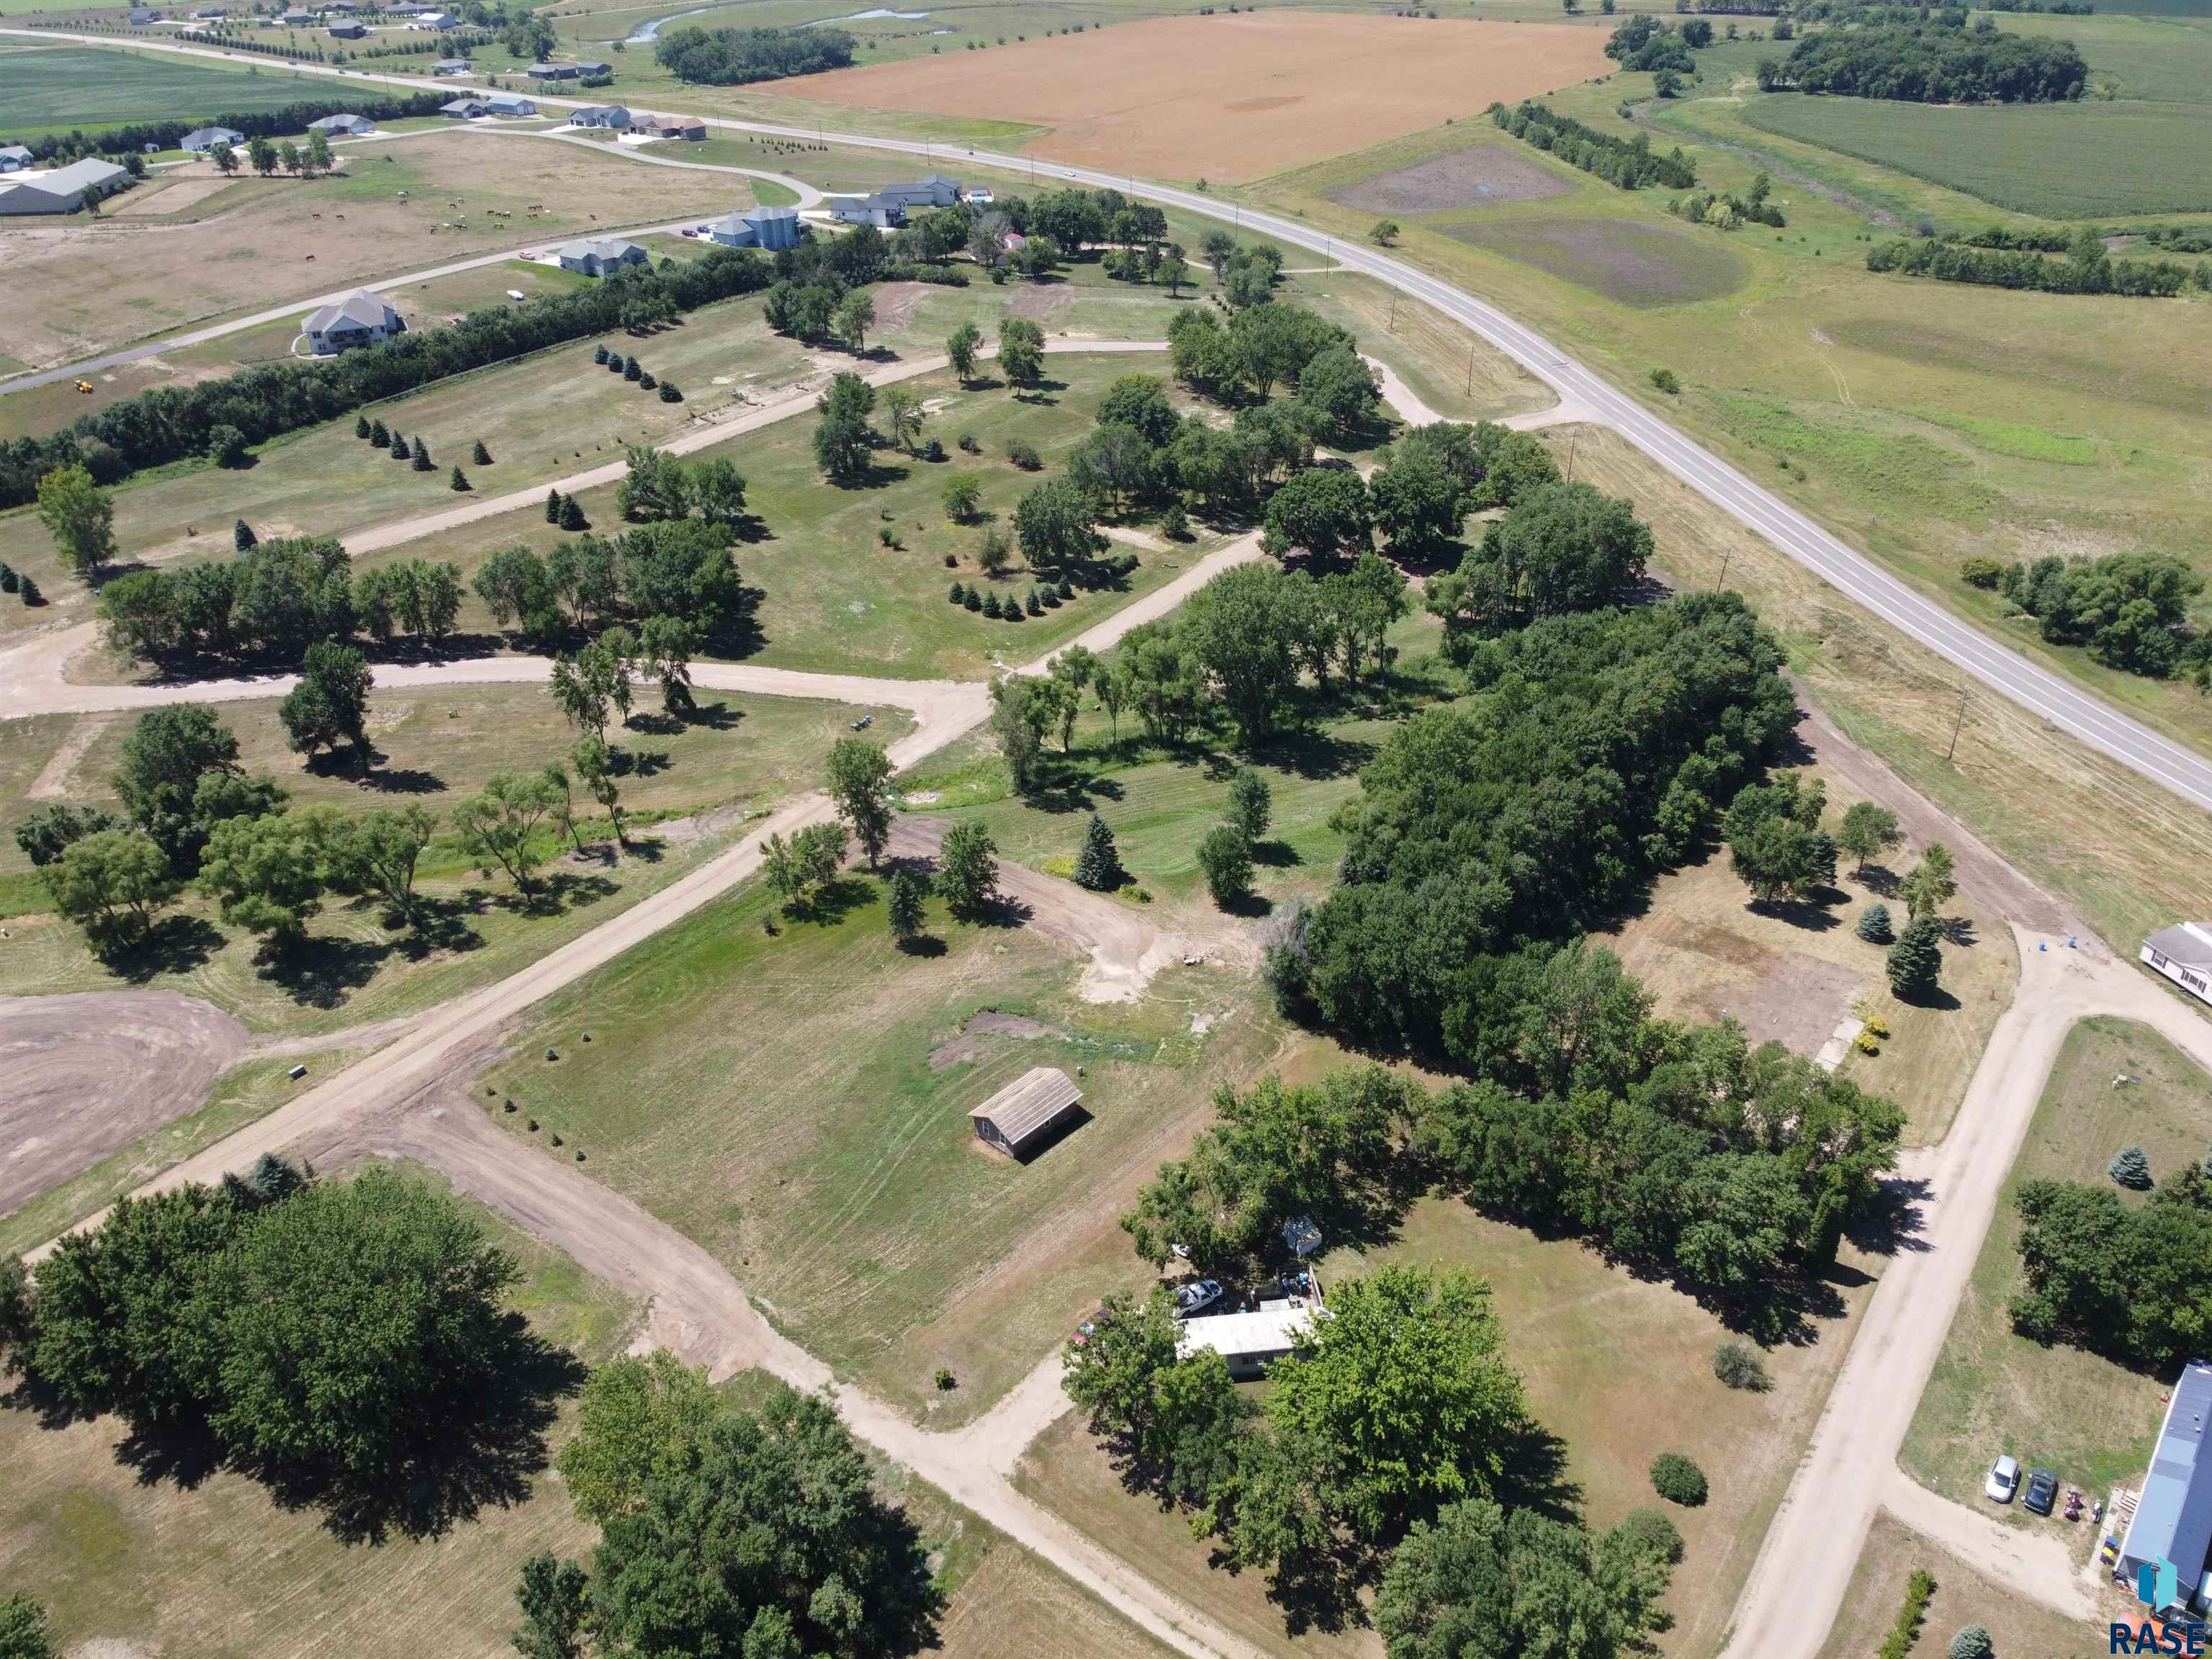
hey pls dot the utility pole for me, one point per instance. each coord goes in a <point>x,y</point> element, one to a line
<point>1394,314</point>
<point>1470,371</point>
<point>1573,438</point>
<point>1958,724</point>
<point>1726,555</point>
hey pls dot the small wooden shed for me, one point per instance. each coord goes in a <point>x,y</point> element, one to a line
<point>1022,1114</point>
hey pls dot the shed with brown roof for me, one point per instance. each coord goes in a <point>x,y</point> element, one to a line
<point>1020,1115</point>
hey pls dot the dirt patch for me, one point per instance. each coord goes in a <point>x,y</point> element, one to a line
<point>88,1074</point>
<point>1468,179</point>
<point>57,777</point>
<point>1624,260</point>
<point>987,1023</point>
<point>1796,1003</point>
<point>170,199</point>
<point>1040,300</point>
<point>1230,96</point>
<point>895,302</point>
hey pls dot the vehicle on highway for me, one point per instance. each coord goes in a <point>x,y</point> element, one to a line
<point>1197,1296</point>
<point>2002,1481</point>
<point>2042,1491</point>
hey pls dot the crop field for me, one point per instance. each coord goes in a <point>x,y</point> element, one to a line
<point>748,754</point>
<point>835,597</point>
<point>57,87</point>
<point>1623,260</point>
<point>797,1102</point>
<point>2059,160</point>
<point>1228,97</point>
<point>554,414</point>
<point>1618,1368</point>
<point>259,240</point>
<point>2091,1421</point>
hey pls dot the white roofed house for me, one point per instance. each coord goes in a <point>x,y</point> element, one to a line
<point>509,103</point>
<point>2183,954</point>
<point>14,158</point>
<point>452,66</point>
<point>599,257</point>
<point>1250,1342</point>
<point>359,320</point>
<point>343,126</point>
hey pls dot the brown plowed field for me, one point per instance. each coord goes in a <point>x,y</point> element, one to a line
<point>1230,98</point>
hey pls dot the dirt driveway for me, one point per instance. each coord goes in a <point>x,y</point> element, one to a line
<point>87,1074</point>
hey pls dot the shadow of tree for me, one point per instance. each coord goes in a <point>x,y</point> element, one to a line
<point>173,945</point>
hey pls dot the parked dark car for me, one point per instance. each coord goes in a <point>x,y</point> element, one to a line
<point>2042,1491</point>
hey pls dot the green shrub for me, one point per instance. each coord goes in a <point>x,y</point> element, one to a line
<point>1972,1642</point>
<point>1664,380</point>
<point>1981,573</point>
<point>1738,1365</point>
<point>1906,1630</point>
<point>1678,1480</point>
<point>1652,1534</point>
<point>1023,454</point>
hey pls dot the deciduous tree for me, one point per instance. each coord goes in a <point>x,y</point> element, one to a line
<point>79,516</point>
<point>860,774</point>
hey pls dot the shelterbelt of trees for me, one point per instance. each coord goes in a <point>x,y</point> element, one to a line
<point>1936,63</point>
<point>737,57</point>
<point>285,122</point>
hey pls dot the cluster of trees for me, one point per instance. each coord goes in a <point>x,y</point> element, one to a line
<point>2130,1281</point>
<point>171,423</point>
<point>1597,751</point>
<point>286,120</point>
<point>1563,547</point>
<point>1382,1451</point>
<point>2129,610</point>
<point>671,569</point>
<point>1930,64</point>
<point>737,57</point>
<point>1628,163</point>
<point>1128,238</point>
<point>335,1338</point>
<point>2087,269</point>
<point>266,603</point>
<point>1647,44</point>
<point>1728,212</point>
<point>724,1530</point>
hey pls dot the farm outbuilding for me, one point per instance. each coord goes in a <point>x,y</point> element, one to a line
<point>349,29</point>
<point>64,190</point>
<point>14,158</point>
<point>2171,1532</point>
<point>1021,1115</point>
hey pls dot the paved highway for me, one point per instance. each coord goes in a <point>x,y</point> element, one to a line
<point>2041,691</point>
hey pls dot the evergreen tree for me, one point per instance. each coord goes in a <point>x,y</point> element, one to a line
<point>1873,926</point>
<point>378,435</point>
<point>552,506</point>
<point>1098,867</point>
<point>397,447</point>
<point>904,909</point>
<point>421,456</point>
<point>460,479</point>
<point>958,595</point>
<point>572,514</point>
<point>480,456</point>
<point>2130,1168</point>
<point>242,536</point>
<point>1250,802</point>
<point>1916,961</point>
<point>361,428</point>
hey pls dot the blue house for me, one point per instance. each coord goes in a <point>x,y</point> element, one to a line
<point>600,115</point>
<point>2173,1521</point>
<point>509,103</point>
<point>769,228</point>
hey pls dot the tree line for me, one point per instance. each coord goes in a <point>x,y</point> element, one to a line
<point>170,423</point>
<point>346,1342</point>
<point>2129,610</point>
<point>737,57</point>
<point>1930,64</point>
<point>284,121</point>
<point>2131,1282</point>
<point>2087,269</point>
<point>1627,162</point>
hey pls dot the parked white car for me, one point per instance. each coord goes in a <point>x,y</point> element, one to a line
<point>2003,1480</point>
<point>1197,1296</point>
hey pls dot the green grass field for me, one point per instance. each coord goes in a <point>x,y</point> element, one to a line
<point>2059,160</point>
<point>2090,1421</point>
<point>64,87</point>
<point>2019,1625</point>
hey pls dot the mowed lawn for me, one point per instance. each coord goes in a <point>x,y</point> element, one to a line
<point>834,596</point>
<point>556,413</point>
<point>2090,1421</point>
<point>781,1098</point>
<point>746,755</point>
<point>1617,1369</point>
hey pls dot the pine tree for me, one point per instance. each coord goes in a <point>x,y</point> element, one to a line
<point>552,506</point>
<point>480,456</point>
<point>361,428</point>
<point>378,436</point>
<point>242,536</point>
<point>1874,924</point>
<point>421,456</point>
<point>460,479</point>
<point>572,514</point>
<point>2130,1168</point>
<point>991,602</point>
<point>399,446</point>
<point>1098,867</point>
<point>599,354</point>
<point>1916,961</point>
<point>1034,605</point>
<point>28,591</point>
<point>958,595</point>
<point>903,911</point>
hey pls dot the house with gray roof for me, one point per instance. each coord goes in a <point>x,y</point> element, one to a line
<point>883,210</point>
<point>343,126</point>
<point>2170,1534</point>
<point>14,158</point>
<point>599,257</point>
<point>347,29</point>
<point>202,141</point>
<point>614,116</point>
<point>465,109</point>
<point>769,228</point>
<point>144,15</point>
<point>64,190</point>
<point>509,103</point>
<point>359,320</point>
<point>2183,953</point>
<point>450,66</point>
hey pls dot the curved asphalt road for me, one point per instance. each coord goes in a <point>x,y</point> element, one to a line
<point>2039,690</point>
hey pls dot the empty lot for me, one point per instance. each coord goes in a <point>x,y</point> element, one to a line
<point>1233,97</point>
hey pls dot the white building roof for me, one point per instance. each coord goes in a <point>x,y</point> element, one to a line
<point>2189,942</point>
<point>1270,1331</point>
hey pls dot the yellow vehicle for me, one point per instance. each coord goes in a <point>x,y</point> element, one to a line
<point>85,386</point>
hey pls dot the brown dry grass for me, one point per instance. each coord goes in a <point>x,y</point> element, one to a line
<point>1962,1596</point>
<point>250,244</point>
<point>1229,97</point>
